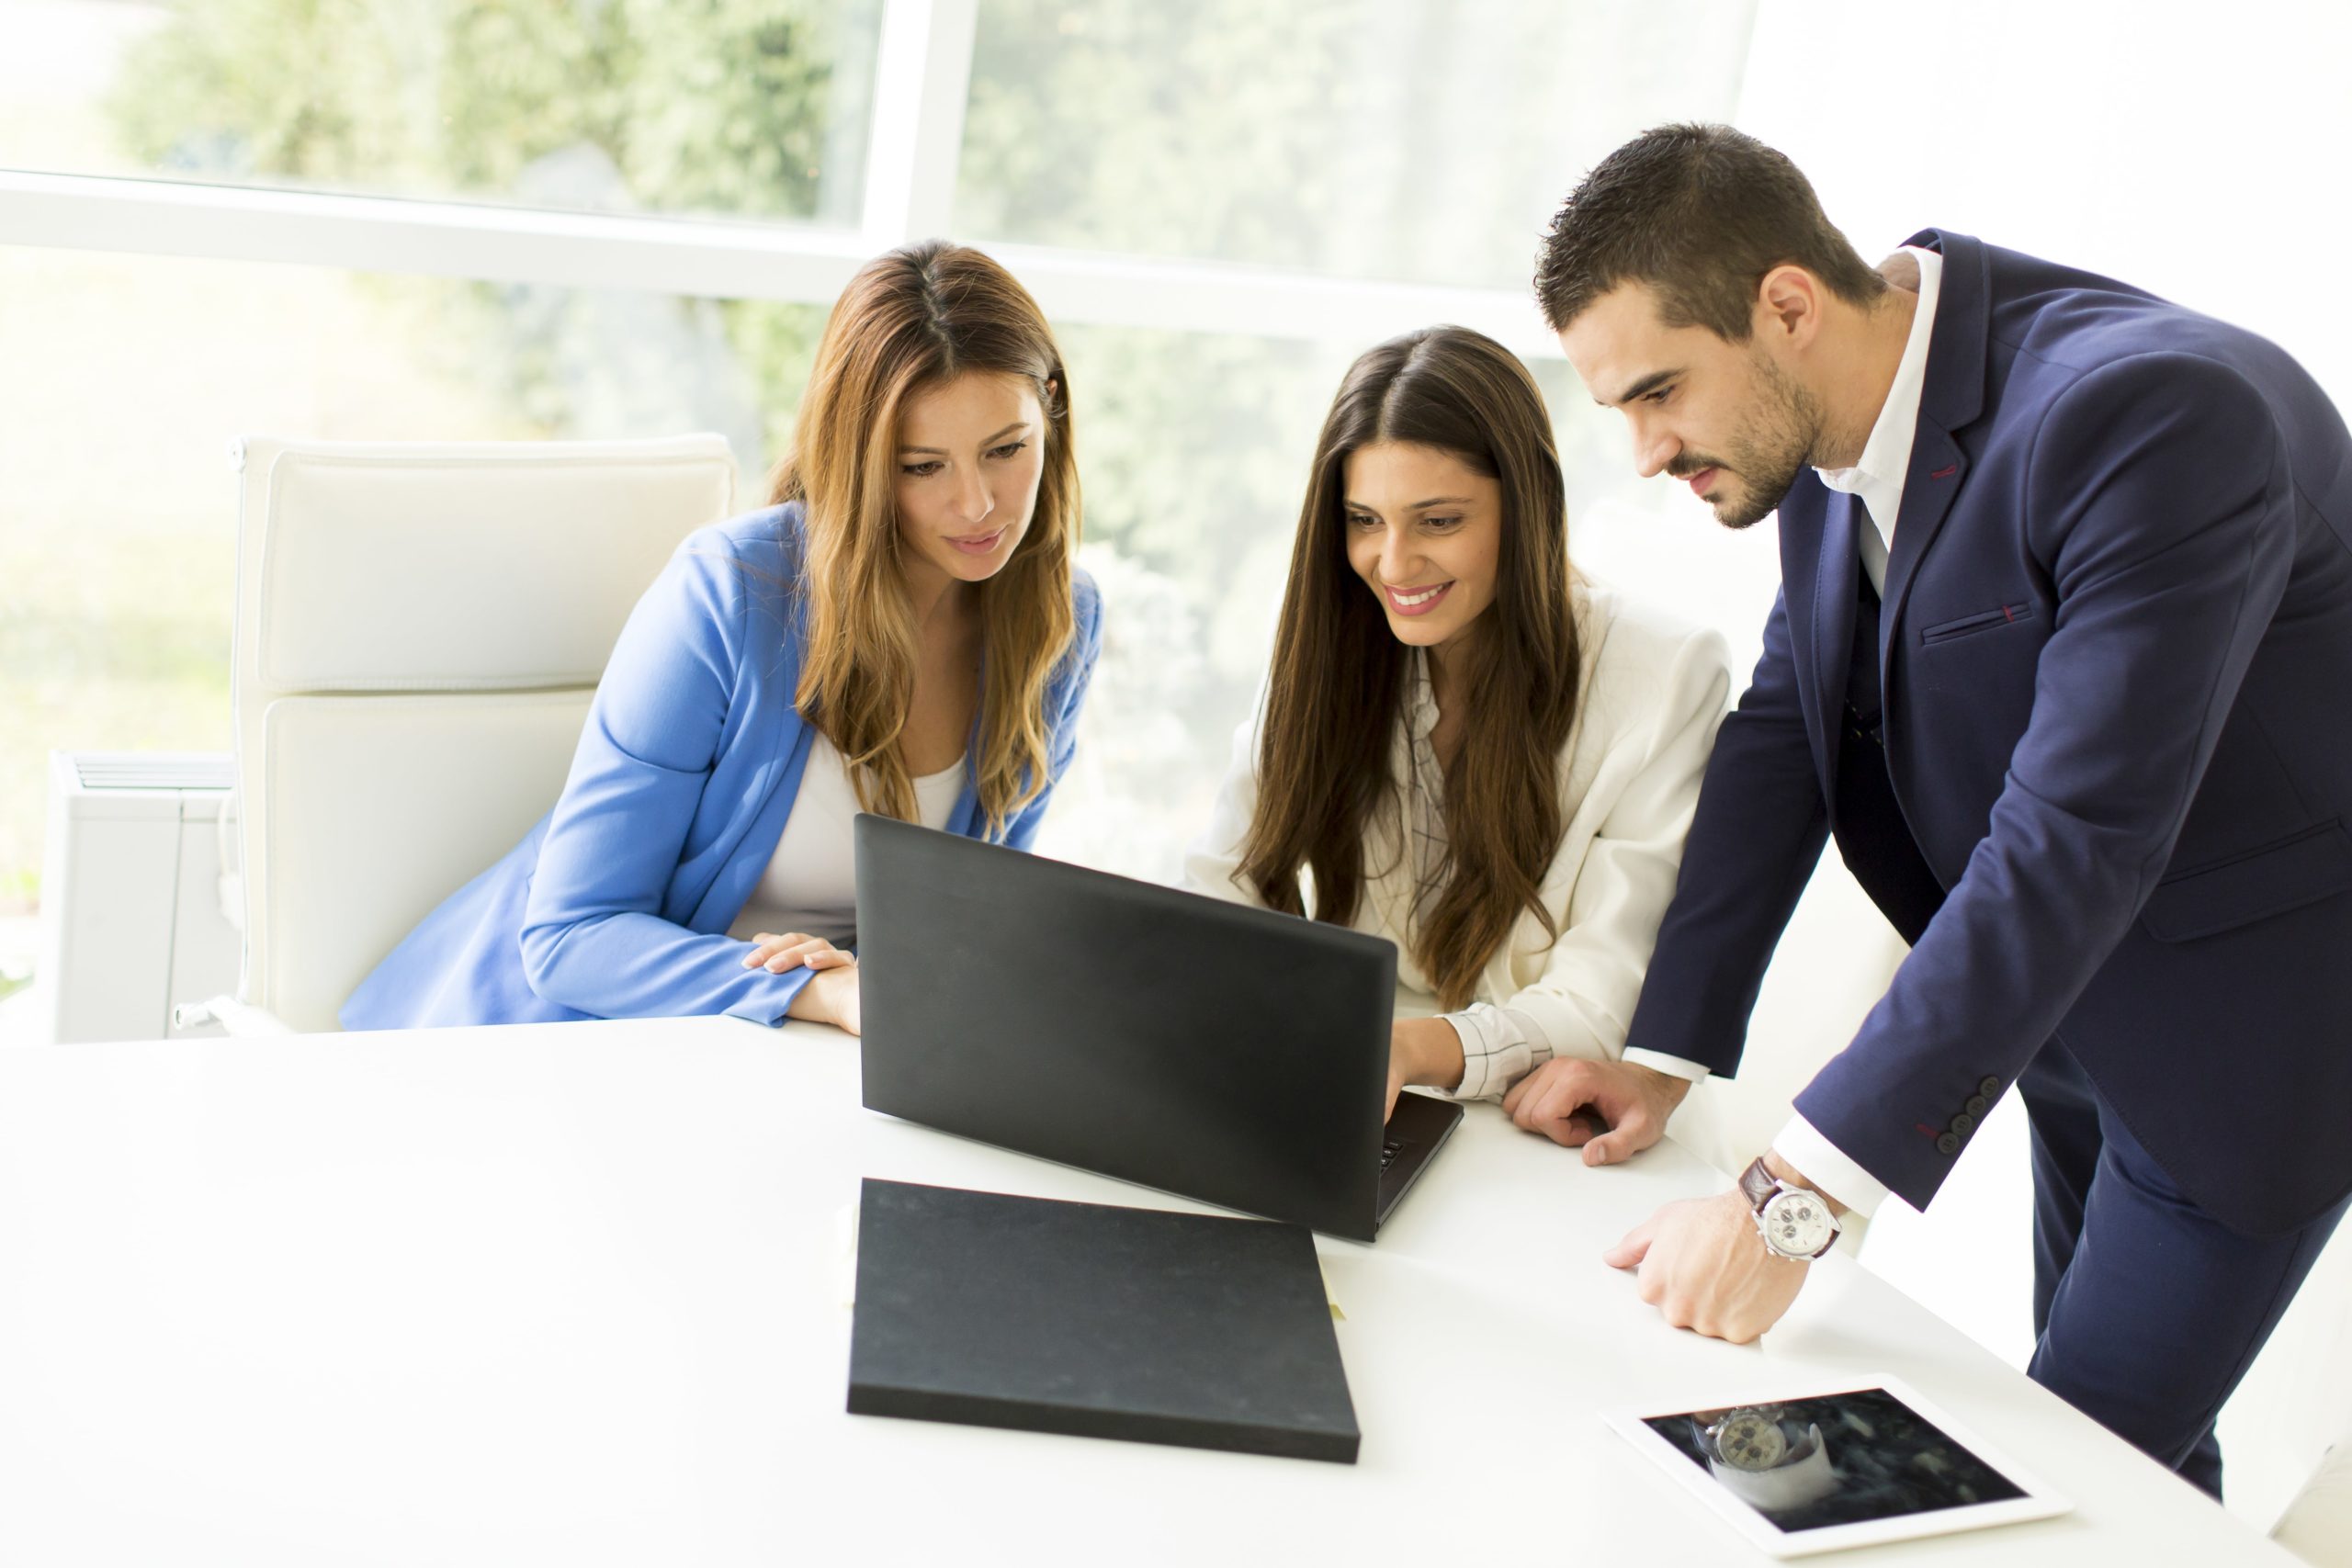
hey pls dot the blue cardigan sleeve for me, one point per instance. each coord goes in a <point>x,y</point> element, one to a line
<point>594,936</point>
<point>1066,698</point>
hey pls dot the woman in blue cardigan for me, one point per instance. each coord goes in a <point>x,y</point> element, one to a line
<point>902,631</point>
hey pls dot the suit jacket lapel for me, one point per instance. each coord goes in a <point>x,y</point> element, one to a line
<point>1951,400</point>
<point>1938,467</point>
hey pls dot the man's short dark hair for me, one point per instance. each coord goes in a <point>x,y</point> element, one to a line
<point>1699,213</point>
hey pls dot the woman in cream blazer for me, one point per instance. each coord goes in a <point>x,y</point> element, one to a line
<point>1465,747</point>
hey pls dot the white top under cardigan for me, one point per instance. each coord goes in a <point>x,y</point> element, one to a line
<point>1653,693</point>
<point>810,883</point>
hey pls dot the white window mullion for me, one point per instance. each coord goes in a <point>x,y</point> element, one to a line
<point>922,76</point>
<point>441,239</point>
<point>742,261</point>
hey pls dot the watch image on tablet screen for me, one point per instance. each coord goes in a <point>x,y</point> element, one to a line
<point>1853,1467</point>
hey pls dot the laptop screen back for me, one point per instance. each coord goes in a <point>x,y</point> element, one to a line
<point>1224,1053</point>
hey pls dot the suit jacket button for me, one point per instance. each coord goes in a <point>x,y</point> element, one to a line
<point>1948,1143</point>
<point>1976,1104</point>
<point>1963,1125</point>
<point>1989,1087</point>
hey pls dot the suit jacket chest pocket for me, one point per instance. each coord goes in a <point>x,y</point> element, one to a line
<point>1966,691</point>
<point>2000,617</point>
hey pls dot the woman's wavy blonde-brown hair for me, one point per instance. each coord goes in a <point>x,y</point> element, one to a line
<point>915,318</point>
<point>1335,693</point>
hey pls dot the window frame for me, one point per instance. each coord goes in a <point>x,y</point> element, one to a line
<point>923,81</point>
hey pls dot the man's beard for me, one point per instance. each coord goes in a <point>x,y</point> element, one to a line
<point>1767,455</point>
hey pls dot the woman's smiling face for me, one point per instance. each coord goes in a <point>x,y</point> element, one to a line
<point>1424,531</point>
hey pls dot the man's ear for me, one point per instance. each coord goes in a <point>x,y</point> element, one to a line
<point>1788,305</point>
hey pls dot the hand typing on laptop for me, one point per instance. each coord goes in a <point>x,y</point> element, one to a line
<point>1423,1051</point>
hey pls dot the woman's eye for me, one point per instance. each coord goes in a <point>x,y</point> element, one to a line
<point>1360,521</point>
<point>1441,524</point>
<point>918,470</point>
<point>1008,449</point>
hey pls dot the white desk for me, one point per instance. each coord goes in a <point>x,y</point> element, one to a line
<point>573,1295</point>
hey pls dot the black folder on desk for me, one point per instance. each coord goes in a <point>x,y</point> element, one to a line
<point>1095,1321</point>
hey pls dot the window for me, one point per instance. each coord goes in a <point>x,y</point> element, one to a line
<point>636,215</point>
<point>734,108</point>
<point>1413,141</point>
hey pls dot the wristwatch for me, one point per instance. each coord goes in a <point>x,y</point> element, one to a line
<point>1794,1221</point>
<point>1748,1437</point>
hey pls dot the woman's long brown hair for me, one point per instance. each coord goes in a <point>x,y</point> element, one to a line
<point>911,320</point>
<point>1336,694</point>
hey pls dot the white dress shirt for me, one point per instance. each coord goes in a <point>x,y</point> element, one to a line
<point>1877,479</point>
<point>1877,476</point>
<point>1654,692</point>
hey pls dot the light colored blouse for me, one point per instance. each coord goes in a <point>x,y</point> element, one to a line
<point>810,883</point>
<point>1653,693</point>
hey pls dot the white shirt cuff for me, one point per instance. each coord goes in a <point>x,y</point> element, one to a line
<point>1499,1046</point>
<point>1673,1067</point>
<point>1826,1170</point>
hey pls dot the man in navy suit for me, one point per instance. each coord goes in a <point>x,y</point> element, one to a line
<point>2062,659</point>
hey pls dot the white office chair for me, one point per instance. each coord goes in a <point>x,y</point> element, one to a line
<point>419,630</point>
<point>2317,1526</point>
<point>2278,1465</point>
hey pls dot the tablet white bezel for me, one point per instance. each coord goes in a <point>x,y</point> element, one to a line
<point>2039,1501</point>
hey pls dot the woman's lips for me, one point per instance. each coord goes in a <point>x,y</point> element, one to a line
<point>980,544</point>
<point>1415,601</point>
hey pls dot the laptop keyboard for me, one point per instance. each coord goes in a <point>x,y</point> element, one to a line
<point>1389,1149</point>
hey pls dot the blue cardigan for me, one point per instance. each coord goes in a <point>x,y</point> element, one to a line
<point>617,905</point>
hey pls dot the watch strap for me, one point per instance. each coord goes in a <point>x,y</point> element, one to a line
<point>1758,1184</point>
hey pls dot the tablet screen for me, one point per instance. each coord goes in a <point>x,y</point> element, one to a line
<point>1839,1459</point>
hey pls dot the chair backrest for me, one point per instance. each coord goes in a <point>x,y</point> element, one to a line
<point>419,630</point>
<point>2317,1524</point>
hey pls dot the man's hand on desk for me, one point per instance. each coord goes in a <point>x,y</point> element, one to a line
<point>1614,1110</point>
<point>1704,1266</point>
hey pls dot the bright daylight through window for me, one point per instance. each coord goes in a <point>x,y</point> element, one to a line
<point>238,186</point>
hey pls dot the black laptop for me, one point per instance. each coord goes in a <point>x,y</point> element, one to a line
<point>1207,1048</point>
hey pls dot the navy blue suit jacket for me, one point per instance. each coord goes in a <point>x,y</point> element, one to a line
<point>2116,661</point>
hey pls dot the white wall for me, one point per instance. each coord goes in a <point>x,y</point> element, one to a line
<point>2196,150</point>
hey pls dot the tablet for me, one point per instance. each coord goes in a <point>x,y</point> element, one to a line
<point>1852,1467</point>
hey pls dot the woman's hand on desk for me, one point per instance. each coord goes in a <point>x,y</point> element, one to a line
<point>831,995</point>
<point>793,950</point>
<point>830,998</point>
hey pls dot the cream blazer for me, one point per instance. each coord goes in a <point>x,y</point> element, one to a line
<point>1653,692</point>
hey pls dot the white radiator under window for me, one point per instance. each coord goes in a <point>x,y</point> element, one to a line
<point>131,908</point>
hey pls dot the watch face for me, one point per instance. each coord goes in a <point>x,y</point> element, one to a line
<point>1796,1224</point>
<point>1751,1440</point>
